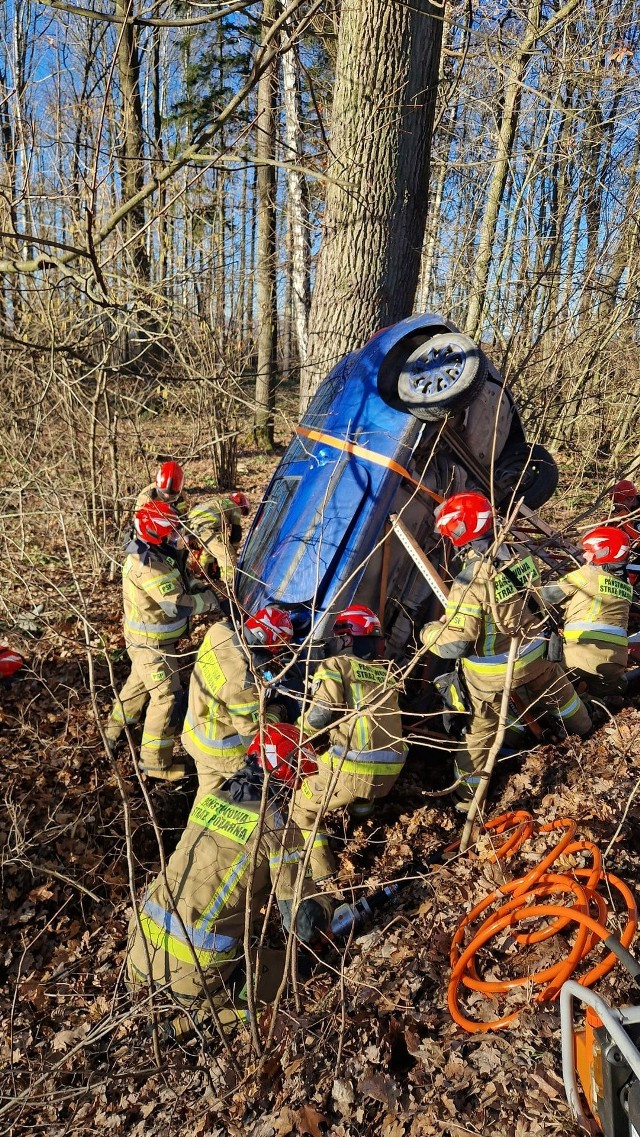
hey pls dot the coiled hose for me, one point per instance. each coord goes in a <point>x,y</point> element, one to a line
<point>527,898</point>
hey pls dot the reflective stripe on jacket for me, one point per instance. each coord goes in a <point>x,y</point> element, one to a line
<point>213,516</point>
<point>496,664</point>
<point>486,608</point>
<point>224,702</point>
<point>369,763</point>
<point>213,523</point>
<point>157,605</point>
<point>208,876</point>
<point>596,611</point>
<point>363,698</point>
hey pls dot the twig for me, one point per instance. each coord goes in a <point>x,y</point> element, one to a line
<point>48,871</point>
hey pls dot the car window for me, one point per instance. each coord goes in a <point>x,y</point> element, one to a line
<point>324,397</point>
<point>308,550</point>
<point>272,514</point>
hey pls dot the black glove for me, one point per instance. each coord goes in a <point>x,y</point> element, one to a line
<point>196,586</point>
<point>311,919</point>
<point>225,605</point>
<point>277,708</point>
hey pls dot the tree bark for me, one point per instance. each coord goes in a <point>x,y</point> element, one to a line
<point>504,146</point>
<point>298,205</point>
<point>382,118</point>
<point>266,245</point>
<point>132,150</point>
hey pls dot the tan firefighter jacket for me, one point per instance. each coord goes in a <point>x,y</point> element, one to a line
<point>596,612</point>
<point>157,603</point>
<point>150,493</point>
<point>209,876</point>
<point>487,606</point>
<point>217,524</point>
<point>224,705</point>
<point>357,701</point>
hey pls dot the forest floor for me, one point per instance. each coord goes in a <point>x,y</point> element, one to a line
<point>372,1048</point>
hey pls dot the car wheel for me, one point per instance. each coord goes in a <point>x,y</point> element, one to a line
<point>442,376</point>
<point>530,472</point>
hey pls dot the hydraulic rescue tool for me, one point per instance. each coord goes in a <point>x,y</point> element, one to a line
<point>601,1060</point>
<point>603,1057</point>
<point>350,919</point>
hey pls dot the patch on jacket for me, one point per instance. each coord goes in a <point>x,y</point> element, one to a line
<point>370,673</point>
<point>224,817</point>
<point>524,571</point>
<point>212,673</point>
<point>611,586</point>
<point>456,622</point>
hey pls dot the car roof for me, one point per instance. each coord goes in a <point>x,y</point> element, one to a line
<point>327,503</point>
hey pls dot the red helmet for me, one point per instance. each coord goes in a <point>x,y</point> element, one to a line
<point>284,753</point>
<point>10,662</point>
<point>156,522</point>
<point>269,628</point>
<point>625,493</point>
<point>241,502</point>
<point>358,620</point>
<point>464,517</point>
<point>170,479</point>
<point>605,545</point>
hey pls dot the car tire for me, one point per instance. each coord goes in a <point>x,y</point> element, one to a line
<point>441,376</point>
<point>530,471</point>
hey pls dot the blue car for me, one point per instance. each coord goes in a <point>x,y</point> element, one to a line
<point>384,435</point>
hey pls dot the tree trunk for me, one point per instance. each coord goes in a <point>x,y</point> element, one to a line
<point>159,156</point>
<point>298,204</point>
<point>266,246</point>
<point>500,169</point>
<point>132,150</point>
<point>382,118</point>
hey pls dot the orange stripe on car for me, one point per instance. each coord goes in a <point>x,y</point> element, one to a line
<point>368,455</point>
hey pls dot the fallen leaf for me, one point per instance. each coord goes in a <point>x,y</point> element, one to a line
<point>381,1088</point>
<point>308,1120</point>
<point>65,1039</point>
<point>284,1123</point>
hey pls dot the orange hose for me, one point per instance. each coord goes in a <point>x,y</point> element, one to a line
<point>518,901</point>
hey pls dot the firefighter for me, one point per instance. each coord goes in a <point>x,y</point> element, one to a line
<point>596,600</point>
<point>355,699</point>
<point>157,608</point>
<point>214,529</point>
<point>168,487</point>
<point>626,501</point>
<point>224,699</point>
<point>489,603</point>
<point>198,906</point>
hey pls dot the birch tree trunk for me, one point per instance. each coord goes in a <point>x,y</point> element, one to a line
<point>382,118</point>
<point>266,246</point>
<point>298,205</point>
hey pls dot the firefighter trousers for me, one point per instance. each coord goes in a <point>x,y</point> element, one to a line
<point>609,680</point>
<point>601,668</point>
<point>340,780</point>
<point>226,983</point>
<point>210,780</point>
<point>550,691</point>
<point>155,677</point>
